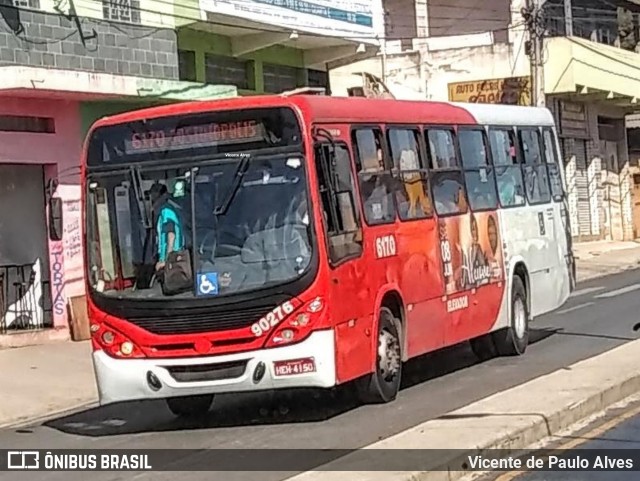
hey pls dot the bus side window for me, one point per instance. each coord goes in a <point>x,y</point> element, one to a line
<point>412,180</point>
<point>337,192</point>
<point>376,183</point>
<point>478,173</point>
<point>536,178</point>
<point>553,164</point>
<point>507,168</point>
<point>446,177</point>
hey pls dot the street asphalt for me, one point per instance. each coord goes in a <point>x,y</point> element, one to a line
<point>598,317</point>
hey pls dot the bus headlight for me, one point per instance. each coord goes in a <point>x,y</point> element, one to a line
<point>284,336</point>
<point>126,348</point>
<point>108,337</point>
<point>301,320</point>
<point>299,325</point>
<point>109,340</point>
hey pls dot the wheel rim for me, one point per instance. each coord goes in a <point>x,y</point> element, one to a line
<point>388,356</point>
<point>519,318</point>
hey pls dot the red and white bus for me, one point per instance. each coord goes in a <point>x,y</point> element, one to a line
<point>329,240</point>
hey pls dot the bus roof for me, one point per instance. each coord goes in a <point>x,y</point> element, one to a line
<point>496,114</point>
<point>326,109</point>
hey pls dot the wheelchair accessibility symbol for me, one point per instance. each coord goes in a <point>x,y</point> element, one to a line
<point>207,283</point>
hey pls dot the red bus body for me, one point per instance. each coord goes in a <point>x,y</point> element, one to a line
<point>400,267</point>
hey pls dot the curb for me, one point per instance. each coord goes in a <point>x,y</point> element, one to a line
<point>533,428</point>
<point>58,413</point>
<point>538,431</point>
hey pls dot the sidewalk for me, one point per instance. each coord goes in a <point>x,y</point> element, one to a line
<point>601,258</point>
<point>39,381</point>
<point>45,380</point>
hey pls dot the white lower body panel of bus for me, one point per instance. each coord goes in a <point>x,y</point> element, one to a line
<point>133,379</point>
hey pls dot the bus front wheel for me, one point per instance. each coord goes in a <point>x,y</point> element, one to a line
<point>383,384</point>
<point>514,340</point>
<point>187,406</point>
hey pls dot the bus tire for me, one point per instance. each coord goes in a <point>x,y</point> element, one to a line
<point>187,406</point>
<point>383,385</point>
<point>514,340</point>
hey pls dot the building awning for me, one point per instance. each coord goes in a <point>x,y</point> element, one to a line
<point>79,85</point>
<point>592,71</point>
<point>321,46</point>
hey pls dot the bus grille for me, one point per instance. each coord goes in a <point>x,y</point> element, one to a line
<point>208,372</point>
<point>194,323</point>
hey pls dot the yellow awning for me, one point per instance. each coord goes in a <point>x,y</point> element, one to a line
<point>578,66</point>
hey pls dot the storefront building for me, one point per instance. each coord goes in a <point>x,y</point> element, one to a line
<point>49,97</point>
<point>264,48</point>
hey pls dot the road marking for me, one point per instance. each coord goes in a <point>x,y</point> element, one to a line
<point>586,290</point>
<point>585,438</point>
<point>575,308</point>
<point>619,292</point>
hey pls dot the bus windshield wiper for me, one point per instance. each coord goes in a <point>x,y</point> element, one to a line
<point>233,190</point>
<point>136,179</point>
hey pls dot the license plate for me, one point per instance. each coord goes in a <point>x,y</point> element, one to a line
<point>294,367</point>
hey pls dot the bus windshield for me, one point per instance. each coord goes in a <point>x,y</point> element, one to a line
<point>241,217</point>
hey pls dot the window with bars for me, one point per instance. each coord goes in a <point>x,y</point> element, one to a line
<point>121,10</point>
<point>187,65</point>
<point>23,123</point>
<point>279,78</point>
<point>318,78</point>
<point>226,70</point>
<point>34,4</point>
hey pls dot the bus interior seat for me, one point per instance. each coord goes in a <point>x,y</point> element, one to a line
<point>282,249</point>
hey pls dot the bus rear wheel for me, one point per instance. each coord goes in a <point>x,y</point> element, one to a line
<point>188,406</point>
<point>514,340</point>
<point>383,385</point>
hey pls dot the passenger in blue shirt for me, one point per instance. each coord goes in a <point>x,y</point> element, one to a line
<point>169,232</point>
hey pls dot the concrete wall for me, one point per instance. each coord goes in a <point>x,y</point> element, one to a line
<point>426,72</point>
<point>141,51</point>
<point>456,51</point>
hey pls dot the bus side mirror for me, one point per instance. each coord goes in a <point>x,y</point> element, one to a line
<point>56,227</point>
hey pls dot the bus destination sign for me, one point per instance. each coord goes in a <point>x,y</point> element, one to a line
<point>195,136</point>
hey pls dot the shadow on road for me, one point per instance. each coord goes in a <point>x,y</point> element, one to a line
<point>264,408</point>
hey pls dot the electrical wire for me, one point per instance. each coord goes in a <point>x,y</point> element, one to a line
<point>22,37</point>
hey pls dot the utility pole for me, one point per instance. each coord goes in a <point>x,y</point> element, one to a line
<point>532,15</point>
<point>568,18</point>
<point>383,59</point>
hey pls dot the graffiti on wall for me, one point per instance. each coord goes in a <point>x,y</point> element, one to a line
<point>72,239</point>
<point>73,261</point>
<point>57,280</point>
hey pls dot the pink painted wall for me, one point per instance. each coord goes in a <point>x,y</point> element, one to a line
<point>62,148</point>
<point>60,153</point>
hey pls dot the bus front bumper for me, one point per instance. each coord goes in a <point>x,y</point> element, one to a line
<point>133,379</point>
